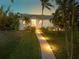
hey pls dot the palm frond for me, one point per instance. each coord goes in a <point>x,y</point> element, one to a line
<point>76,3</point>
<point>44,1</point>
<point>49,4</point>
<point>41,0</point>
<point>58,2</point>
<point>70,1</point>
<point>48,7</point>
<point>1,7</point>
<point>12,1</point>
<point>8,9</point>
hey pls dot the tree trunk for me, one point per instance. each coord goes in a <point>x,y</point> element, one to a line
<point>72,31</point>
<point>42,16</point>
<point>77,32</point>
<point>67,41</point>
<point>66,33</point>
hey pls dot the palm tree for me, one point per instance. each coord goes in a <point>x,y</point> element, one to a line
<point>27,20</point>
<point>68,17</point>
<point>45,4</point>
<point>9,7</point>
<point>62,8</point>
<point>1,9</point>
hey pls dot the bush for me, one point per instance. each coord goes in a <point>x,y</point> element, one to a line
<point>10,22</point>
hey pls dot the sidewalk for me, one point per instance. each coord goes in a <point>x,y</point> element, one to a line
<point>46,51</point>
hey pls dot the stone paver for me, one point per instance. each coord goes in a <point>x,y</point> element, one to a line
<point>46,51</point>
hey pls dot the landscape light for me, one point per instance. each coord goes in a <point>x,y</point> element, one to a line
<point>39,31</point>
<point>54,48</point>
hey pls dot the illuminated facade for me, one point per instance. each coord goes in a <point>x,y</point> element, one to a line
<point>36,21</point>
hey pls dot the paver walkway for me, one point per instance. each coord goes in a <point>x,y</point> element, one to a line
<point>45,47</point>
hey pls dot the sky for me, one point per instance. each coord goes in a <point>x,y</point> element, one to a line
<point>27,6</point>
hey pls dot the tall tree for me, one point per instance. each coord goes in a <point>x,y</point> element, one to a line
<point>9,7</point>
<point>67,10</point>
<point>45,4</point>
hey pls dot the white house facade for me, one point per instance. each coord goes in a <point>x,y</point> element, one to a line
<point>36,21</point>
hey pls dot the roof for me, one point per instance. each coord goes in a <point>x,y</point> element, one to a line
<point>33,16</point>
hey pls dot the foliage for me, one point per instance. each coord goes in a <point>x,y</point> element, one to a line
<point>66,17</point>
<point>58,38</point>
<point>45,4</point>
<point>66,8</point>
<point>8,21</point>
<point>27,20</point>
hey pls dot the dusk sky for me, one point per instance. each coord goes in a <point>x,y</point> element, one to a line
<point>27,6</point>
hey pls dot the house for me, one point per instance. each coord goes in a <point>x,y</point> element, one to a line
<point>36,21</point>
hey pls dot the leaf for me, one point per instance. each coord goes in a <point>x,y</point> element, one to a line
<point>49,4</point>
<point>12,1</point>
<point>70,1</point>
<point>1,7</point>
<point>48,7</point>
<point>46,0</point>
<point>8,9</point>
<point>58,2</point>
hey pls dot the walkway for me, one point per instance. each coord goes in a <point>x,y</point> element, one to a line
<point>45,48</point>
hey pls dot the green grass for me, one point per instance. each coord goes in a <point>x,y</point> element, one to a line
<point>58,39</point>
<point>19,45</point>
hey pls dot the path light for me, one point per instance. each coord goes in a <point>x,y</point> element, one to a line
<point>47,38</point>
<point>39,31</point>
<point>54,48</point>
<point>46,48</point>
<point>43,38</point>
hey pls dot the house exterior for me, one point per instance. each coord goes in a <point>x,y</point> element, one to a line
<point>36,21</point>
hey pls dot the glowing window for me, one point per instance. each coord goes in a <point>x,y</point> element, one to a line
<point>33,22</point>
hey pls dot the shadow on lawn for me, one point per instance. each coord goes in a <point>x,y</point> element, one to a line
<point>8,43</point>
<point>58,39</point>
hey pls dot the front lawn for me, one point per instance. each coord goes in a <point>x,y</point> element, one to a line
<point>19,45</point>
<point>56,39</point>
